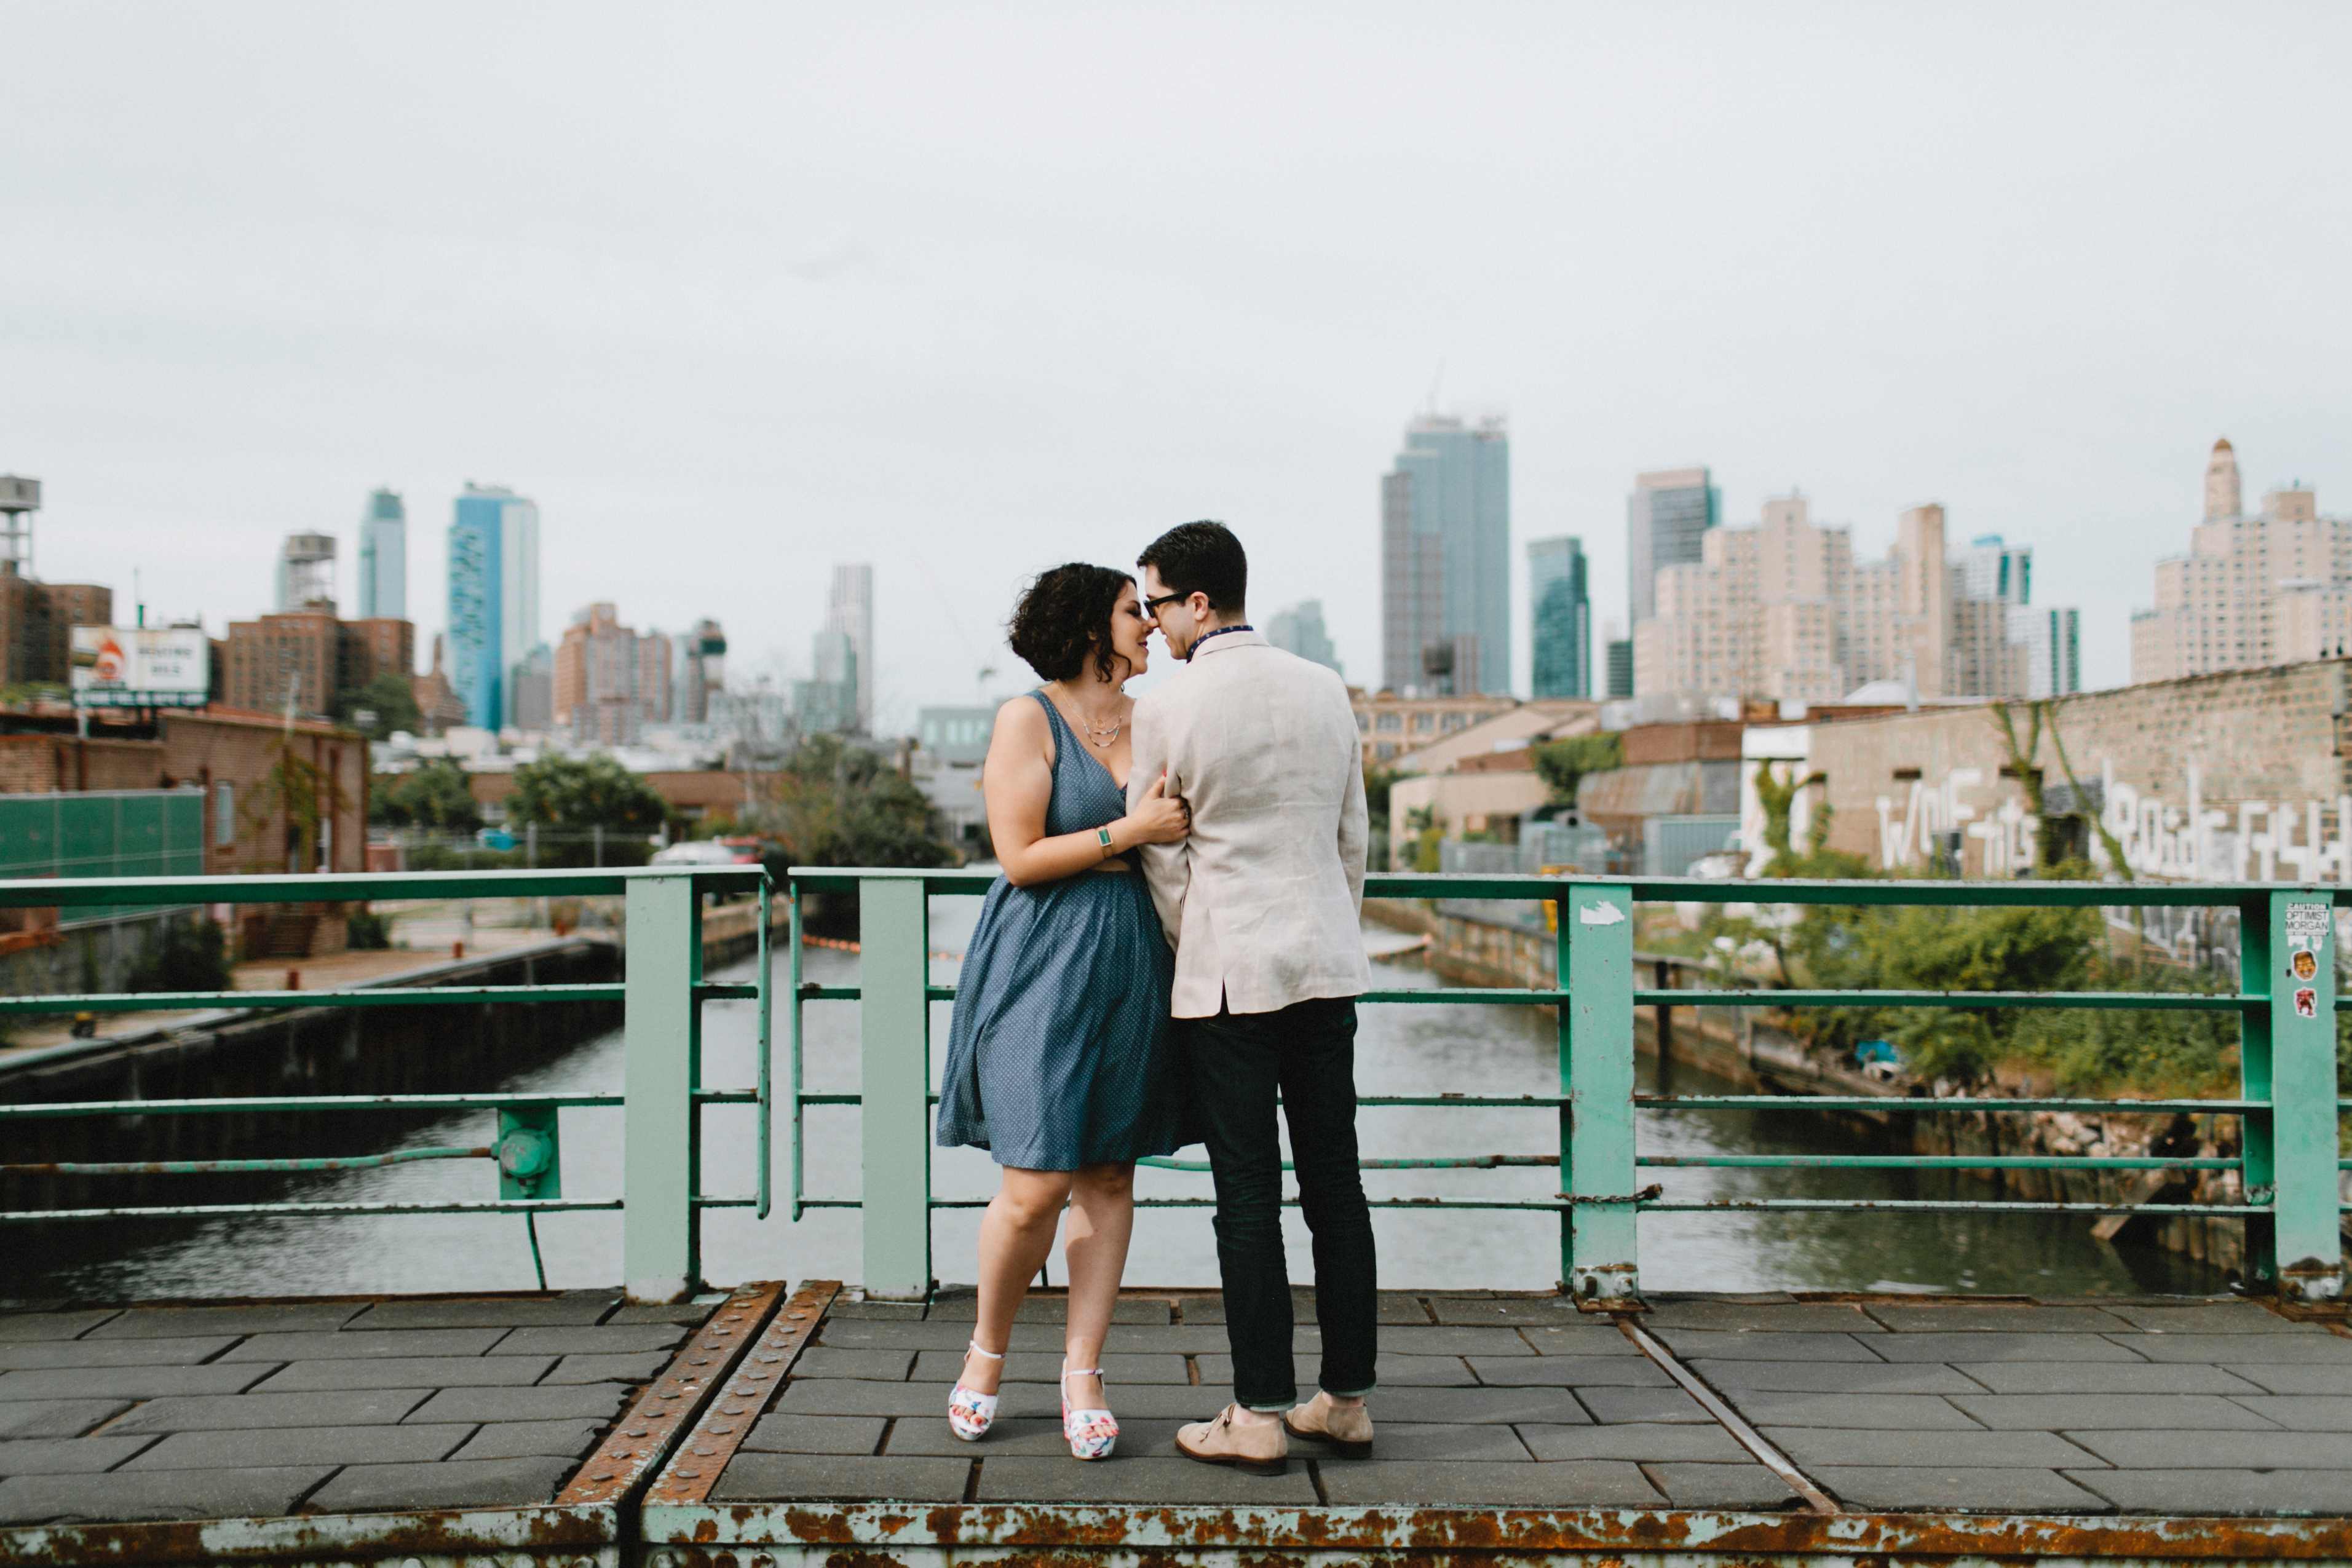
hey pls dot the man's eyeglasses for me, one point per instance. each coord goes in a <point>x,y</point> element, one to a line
<point>1151,607</point>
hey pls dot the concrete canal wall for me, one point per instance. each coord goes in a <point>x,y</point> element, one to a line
<point>1743,1047</point>
<point>446,1049</point>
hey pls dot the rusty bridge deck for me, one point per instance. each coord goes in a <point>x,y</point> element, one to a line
<point>758,1427</point>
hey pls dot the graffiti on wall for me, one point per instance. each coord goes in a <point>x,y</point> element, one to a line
<point>2176,837</point>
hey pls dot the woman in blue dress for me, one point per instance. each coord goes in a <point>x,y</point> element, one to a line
<point>1058,1058</point>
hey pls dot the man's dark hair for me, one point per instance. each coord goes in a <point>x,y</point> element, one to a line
<point>1201,558</point>
<point>1064,616</point>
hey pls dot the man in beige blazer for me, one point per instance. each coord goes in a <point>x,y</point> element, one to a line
<point>1260,902</point>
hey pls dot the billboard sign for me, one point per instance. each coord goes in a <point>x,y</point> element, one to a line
<point>126,667</point>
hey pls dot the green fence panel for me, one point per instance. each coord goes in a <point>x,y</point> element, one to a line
<point>106,832</point>
<point>28,836</point>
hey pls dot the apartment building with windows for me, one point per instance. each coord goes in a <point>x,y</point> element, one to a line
<point>2272,588</point>
<point>1781,609</point>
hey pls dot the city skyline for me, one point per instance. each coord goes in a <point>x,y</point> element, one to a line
<point>1988,567</point>
<point>918,343</point>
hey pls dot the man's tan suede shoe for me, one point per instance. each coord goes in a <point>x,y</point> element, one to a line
<point>1258,1447</point>
<point>1346,1427</point>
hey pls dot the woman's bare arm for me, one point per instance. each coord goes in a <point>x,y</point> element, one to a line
<point>1017,781</point>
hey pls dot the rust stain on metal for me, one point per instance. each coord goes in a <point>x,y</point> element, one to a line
<point>1727,1418</point>
<point>1049,1532</point>
<point>334,1537</point>
<point>641,1439</point>
<point>751,1374</point>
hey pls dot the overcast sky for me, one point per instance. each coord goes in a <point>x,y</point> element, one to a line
<point>737,292</point>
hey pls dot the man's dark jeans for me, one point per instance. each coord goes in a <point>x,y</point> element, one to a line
<point>1238,1061</point>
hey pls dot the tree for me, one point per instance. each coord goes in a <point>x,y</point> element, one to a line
<point>1428,838</point>
<point>388,699</point>
<point>1378,782</point>
<point>835,803</point>
<point>580,794</point>
<point>433,795</point>
<point>299,795</point>
<point>1562,764</point>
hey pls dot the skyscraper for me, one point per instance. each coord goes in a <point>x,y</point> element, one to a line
<point>2272,588</point>
<point>1559,603</point>
<point>1994,570</point>
<point>383,558</point>
<point>699,658</point>
<point>1669,512</point>
<point>2050,645</point>
<point>1446,560</point>
<point>493,598</point>
<point>844,647</point>
<point>1617,674</point>
<point>1300,630</point>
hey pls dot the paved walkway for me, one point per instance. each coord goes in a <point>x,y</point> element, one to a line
<point>159,1413</point>
<point>1770,1425</point>
<point>2219,1407</point>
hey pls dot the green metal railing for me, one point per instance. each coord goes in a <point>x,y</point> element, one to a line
<point>661,993</point>
<point>2287,1106</point>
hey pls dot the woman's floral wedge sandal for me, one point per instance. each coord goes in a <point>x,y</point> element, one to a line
<point>1091,1434</point>
<point>970,1412</point>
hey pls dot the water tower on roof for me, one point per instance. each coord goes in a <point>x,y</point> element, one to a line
<point>19,500</point>
<point>306,572</point>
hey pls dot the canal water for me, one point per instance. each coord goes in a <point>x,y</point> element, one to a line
<point>1401,1049</point>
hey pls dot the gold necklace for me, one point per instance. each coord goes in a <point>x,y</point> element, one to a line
<point>1102,737</point>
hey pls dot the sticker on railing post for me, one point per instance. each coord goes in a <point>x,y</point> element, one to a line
<point>1601,915</point>
<point>2306,927</point>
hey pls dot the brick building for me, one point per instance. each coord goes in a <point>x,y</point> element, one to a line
<point>312,657</point>
<point>438,706</point>
<point>36,622</point>
<point>234,757</point>
<point>608,680</point>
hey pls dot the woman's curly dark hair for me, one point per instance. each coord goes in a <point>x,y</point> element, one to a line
<point>1064,616</point>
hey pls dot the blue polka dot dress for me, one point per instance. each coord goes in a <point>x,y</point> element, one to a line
<point>1058,1051</point>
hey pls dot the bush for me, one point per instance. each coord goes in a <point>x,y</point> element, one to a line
<point>364,931</point>
<point>461,858</point>
<point>190,955</point>
<point>433,795</point>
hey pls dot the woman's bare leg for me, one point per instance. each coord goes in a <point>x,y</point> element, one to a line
<point>1102,1218</point>
<point>1016,1237</point>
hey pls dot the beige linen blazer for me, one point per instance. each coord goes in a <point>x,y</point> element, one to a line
<point>1260,901</point>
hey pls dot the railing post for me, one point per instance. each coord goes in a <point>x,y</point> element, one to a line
<point>895,1080</point>
<point>661,1253</point>
<point>2287,1059</point>
<point>1564,921</point>
<point>1597,927</point>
